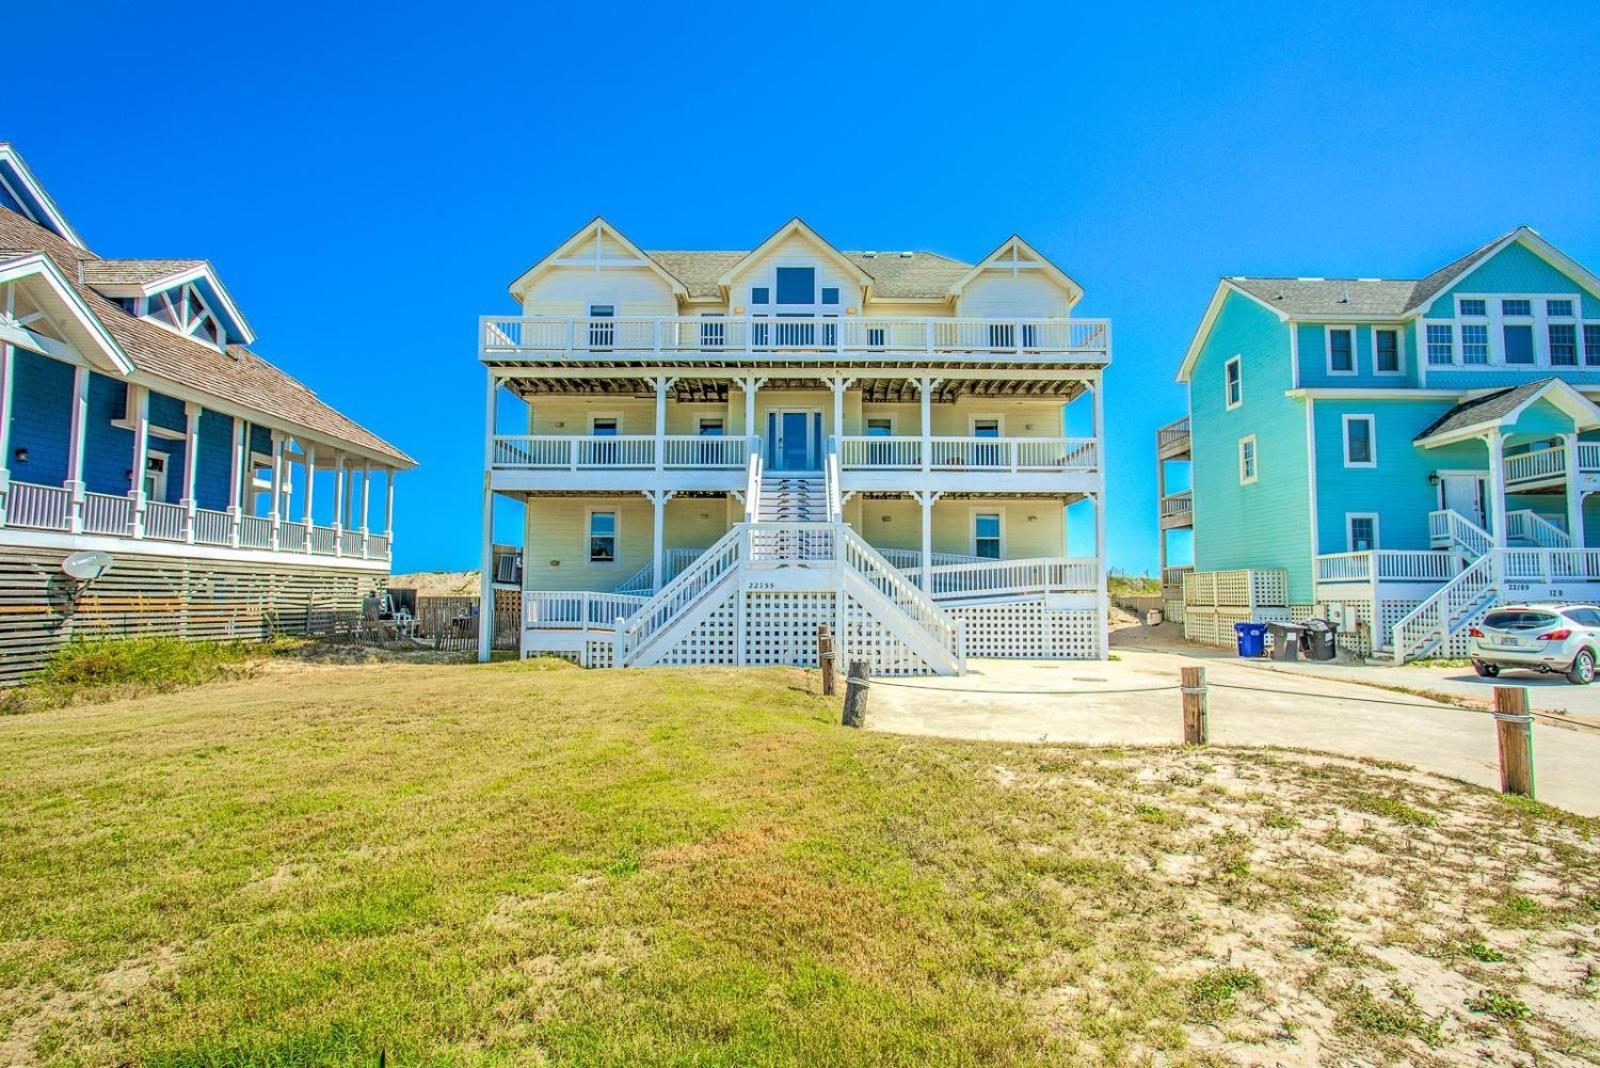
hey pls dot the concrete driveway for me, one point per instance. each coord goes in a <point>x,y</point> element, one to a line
<point>1134,700</point>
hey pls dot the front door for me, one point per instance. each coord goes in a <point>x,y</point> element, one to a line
<point>1465,494</point>
<point>796,439</point>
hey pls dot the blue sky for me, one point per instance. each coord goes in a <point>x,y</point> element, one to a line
<point>369,183</point>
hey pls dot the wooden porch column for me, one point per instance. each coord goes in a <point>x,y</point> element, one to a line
<point>191,456</point>
<point>236,490</point>
<point>311,491</point>
<point>7,370</point>
<point>75,442</point>
<point>1497,486</point>
<point>276,496</point>
<point>1574,494</point>
<point>141,446</point>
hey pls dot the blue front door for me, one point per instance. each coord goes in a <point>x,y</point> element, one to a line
<point>794,441</point>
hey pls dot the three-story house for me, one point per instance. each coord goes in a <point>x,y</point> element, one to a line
<point>1407,452</point>
<point>724,450</point>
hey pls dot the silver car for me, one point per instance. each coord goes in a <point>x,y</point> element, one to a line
<point>1551,638</point>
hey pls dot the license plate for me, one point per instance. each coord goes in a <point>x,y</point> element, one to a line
<point>1511,643</point>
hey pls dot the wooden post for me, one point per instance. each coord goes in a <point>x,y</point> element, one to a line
<point>1196,717</point>
<point>855,694</point>
<point>825,658</point>
<point>1514,733</point>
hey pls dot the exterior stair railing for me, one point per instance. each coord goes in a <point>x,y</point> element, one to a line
<point>1429,625</point>
<point>1529,526</point>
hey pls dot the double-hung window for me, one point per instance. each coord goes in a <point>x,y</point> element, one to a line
<point>1233,382</point>
<point>1591,344</point>
<point>1361,529</point>
<point>1360,448</point>
<point>1563,344</point>
<point>1341,350</point>
<point>1475,344</point>
<point>1247,460</point>
<point>602,537</point>
<point>986,535</point>
<point>1441,343</point>
<point>1386,351</point>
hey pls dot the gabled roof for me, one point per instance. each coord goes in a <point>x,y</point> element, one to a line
<point>45,284</point>
<point>795,226</point>
<point>1016,247</point>
<point>595,229</point>
<point>18,186</point>
<point>1504,407</point>
<point>144,278</point>
<point>895,275</point>
<point>1219,296</point>
<point>236,377</point>
<point>1429,288</point>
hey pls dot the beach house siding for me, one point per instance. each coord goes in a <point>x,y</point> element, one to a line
<point>1266,524</point>
<point>1311,344</point>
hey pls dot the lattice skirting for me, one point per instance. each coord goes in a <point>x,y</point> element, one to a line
<point>1172,611</point>
<point>1027,630</point>
<point>1214,626</point>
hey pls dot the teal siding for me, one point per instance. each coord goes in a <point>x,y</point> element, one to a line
<point>1312,339</point>
<point>1267,523</point>
<point>1513,269</point>
<point>1398,488</point>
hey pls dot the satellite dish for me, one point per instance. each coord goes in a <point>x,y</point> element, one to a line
<point>86,567</point>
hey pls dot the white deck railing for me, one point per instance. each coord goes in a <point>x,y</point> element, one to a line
<point>1034,339</point>
<point>550,452</point>
<point>1386,565</point>
<point>1172,577</point>
<point>1524,524</point>
<point>1448,529</point>
<point>1176,505</point>
<point>35,507</point>
<point>1537,466</point>
<point>579,609</point>
<point>993,578</point>
<point>1174,435</point>
<point>859,453</point>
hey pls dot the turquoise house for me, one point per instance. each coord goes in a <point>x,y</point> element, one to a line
<point>1408,452</point>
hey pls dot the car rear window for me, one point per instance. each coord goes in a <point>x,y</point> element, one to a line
<point>1584,617</point>
<point>1518,620</point>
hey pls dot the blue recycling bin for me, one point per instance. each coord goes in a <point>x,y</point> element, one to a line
<point>1252,638</point>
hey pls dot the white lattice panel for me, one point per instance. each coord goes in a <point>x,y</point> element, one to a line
<point>867,638</point>
<point>600,654</point>
<point>1172,611</point>
<point>781,628</point>
<point>1028,630</point>
<point>1236,589</point>
<point>710,642</point>
<point>1215,626</point>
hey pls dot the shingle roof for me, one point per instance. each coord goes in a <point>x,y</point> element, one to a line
<point>1377,297</point>
<point>240,376</point>
<point>101,272</point>
<point>895,276</point>
<point>1485,409</point>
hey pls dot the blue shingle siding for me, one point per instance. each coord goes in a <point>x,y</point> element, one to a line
<point>40,414</point>
<point>1513,269</point>
<point>107,449</point>
<point>1495,377</point>
<point>214,471</point>
<point>1312,339</point>
<point>1268,523</point>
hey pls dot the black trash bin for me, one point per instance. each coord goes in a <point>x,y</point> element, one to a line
<point>1287,640</point>
<point>1320,639</point>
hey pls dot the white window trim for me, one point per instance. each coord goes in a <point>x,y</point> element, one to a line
<point>616,535</point>
<point>1495,319</point>
<point>972,528</point>
<point>1228,403</point>
<point>1349,532</point>
<point>1372,439</point>
<point>1399,350</point>
<point>891,419</point>
<point>999,423</point>
<point>594,416</point>
<point>1328,330</point>
<point>1255,457</point>
<point>166,469</point>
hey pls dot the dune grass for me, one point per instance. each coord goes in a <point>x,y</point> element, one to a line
<point>527,863</point>
<point>102,669</point>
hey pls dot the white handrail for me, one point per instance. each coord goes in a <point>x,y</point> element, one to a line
<point>679,595</point>
<point>899,589</point>
<point>831,481</point>
<point>1456,529</point>
<point>752,482</point>
<point>29,504</point>
<point>105,513</point>
<point>947,453</point>
<point>584,609</point>
<point>1431,622</point>
<point>164,521</point>
<point>1029,575</point>
<point>643,580</point>
<point>1537,464</point>
<point>1180,503</point>
<point>1528,525</point>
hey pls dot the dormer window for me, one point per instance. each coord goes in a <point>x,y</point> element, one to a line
<point>185,311</point>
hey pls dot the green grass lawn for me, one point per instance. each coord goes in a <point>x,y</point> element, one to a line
<point>525,863</point>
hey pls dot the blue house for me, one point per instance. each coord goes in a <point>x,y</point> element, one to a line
<point>136,423</point>
<point>1408,452</point>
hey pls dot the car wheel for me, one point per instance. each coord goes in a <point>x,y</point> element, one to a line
<point>1581,673</point>
<point>1488,671</point>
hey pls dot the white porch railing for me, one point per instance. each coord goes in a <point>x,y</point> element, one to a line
<point>104,513</point>
<point>35,507</point>
<point>673,561</point>
<point>993,578</point>
<point>546,610</point>
<point>1039,339</point>
<point>1177,505</point>
<point>1174,436</point>
<point>969,453</point>
<point>911,559</point>
<point>1528,525</point>
<point>553,452</point>
<point>895,585</point>
<point>163,521</point>
<point>1540,465</point>
<point>689,450</point>
<point>1172,577</point>
<point>1589,456</point>
<point>1431,623</point>
<point>1448,528</point>
<point>39,507</point>
<point>1549,565</point>
<point>1389,565</point>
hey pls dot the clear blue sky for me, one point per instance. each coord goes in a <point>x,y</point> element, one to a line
<point>369,184</point>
